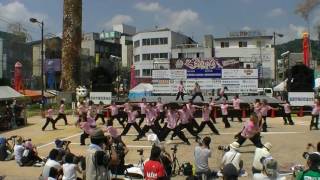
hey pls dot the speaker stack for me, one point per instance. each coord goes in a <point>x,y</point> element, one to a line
<point>300,79</point>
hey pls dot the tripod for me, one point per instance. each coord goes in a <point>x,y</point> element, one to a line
<point>176,168</point>
<point>140,163</point>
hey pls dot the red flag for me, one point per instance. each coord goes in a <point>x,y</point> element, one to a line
<point>18,76</point>
<point>305,44</point>
<point>133,81</point>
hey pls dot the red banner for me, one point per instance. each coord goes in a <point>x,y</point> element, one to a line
<point>306,46</point>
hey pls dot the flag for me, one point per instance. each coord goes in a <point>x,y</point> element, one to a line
<point>133,81</point>
<point>305,48</point>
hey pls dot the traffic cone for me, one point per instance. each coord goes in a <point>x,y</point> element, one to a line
<point>273,113</point>
<point>244,115</point>
<point>300,114</point>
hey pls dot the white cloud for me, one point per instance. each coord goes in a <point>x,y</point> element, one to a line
<point>276,12</point>
<point>289,32</point>
<point>118,19</point>
<point>149,7</point>
<point>246,28</point>
<point>182,19</point>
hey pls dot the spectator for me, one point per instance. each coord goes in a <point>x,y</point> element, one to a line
<point>230,172</point>
<point>233,156</point>
<point>6,153</point>
<point>263,152</point>
<point>201,154</point>
<point>312,172</point>
<point>30,155</point>
<point>153,169</point>
<point>62,150</point>
<point>18,150</point>
<point>69,168</point>
<point>270,171</point>
<point>53,174</point>
<point>51,162</point>
<point>98,158</point>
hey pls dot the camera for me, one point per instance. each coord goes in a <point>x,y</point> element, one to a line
<point>66,142</point>
<point>140,151</point>
<point>12,137</point>
<point>174,148</point>
<point>223,148</point>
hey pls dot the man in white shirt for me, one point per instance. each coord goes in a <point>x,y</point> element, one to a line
<point>51,162</point>
<point>263,152</point>
<point>233,156</point>
<point>201,155</point>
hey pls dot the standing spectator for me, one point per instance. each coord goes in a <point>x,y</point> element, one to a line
<point>62,114</point>
<point>270,171</point>
<point>236,108</point>
<point>201,155</point>
<point>197,92</point>
<point>51,162</point>
<point>233,156</point>
<point>69,168</point>
<point>49,119</point>
<point>222,94</point>
<point>153,169</point>
<point>180,91</point>
<point>18,150</point>
<point>259,153</point>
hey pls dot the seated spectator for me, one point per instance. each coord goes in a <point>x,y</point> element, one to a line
<point>312,171</point>
<point>201,154</point>
<point>270,171</point>
<point>69,168</point>
<point>62,147</point>
<point>18,150</point>
<point>153,169</point>
<point>233,156</point>
<point>53,174</point>
<point>51,162</point>
<point>6,153</point>
<point>259,153</point>
<point>30,155</point>
<point>230,172</point>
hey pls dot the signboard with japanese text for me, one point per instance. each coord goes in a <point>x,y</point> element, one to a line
<point>240,85</point>
<point>105,97</point>
<point>180,74</point>
<point>301,98</point>
<point>239,73</point>
<point>204,73</point>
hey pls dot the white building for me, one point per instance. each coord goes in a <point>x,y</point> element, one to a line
<point>151,48</point>
<point>253,49</point>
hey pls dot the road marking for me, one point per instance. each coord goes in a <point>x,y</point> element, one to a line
<point>69,137</point>
<point>130,146</point>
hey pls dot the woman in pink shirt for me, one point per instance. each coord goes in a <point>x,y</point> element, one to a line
<point>49,119</point>
<point>62,114</point>
<point>160,108</point>
<point>224,112</point>
<point>132,115</point>
<point>206,120</point>
<point>192,109</point>
<point>180,91</point>
<point>236,108</point>
<point>114,108</point>
<point>87,124</point>
<point>256,106</point>
<point>100,112</point>
<point>264,108</point>
<point>143,106</point>
<point>212,104</point>
<point>315,115</point>
<point>222,94</point>
<point>287,113</point>
<point>171,123</point>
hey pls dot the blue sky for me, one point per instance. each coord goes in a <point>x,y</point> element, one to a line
<point>192,17</point>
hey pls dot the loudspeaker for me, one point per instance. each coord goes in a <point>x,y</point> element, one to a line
<point>300,79</point>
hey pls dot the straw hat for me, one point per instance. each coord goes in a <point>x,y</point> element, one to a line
<point>235,145</point>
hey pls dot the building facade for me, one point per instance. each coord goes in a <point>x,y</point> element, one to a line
<point>151,48</point>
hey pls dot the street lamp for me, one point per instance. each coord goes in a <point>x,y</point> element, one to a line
<point>118,73</point>
<point>275,56</point>
<point>34,20</point>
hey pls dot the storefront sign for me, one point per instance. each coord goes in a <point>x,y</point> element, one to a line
<point>301,98</point>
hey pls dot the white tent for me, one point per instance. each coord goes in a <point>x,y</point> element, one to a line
<point>141,90</point>
<point>281,86</point>
<point>317,83</point>
<point>7,93</point>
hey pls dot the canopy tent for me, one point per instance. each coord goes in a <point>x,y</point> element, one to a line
<point>281,87</point>
<point>8,93</point>
<point>141,90</point>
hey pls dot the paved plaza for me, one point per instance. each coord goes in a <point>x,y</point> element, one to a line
<point>288,144</point>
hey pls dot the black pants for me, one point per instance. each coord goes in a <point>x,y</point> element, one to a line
<point>180,94</point>
<point>254,170</point>
<point>212,117</point>
<point>256,140</point>
<point>165,132</point>
<point>118,117</point>
<point>287,118</point>
<point>127,128</point>
<point>237,114</point>
<point>225,121</point>
<point>211,126</point>
<point>264,125</point>
<point>100,116</point>
<point>161,117</point>
<point>314,121</point>
<point>194,123</point>
<point>62,116</point>
<point>146,128</point>
<point>49,120</point>
<point>197,94</point>
<point>189,128</point>
<point>142,116</point>
<point>220,96</point>
<point>83,138</point>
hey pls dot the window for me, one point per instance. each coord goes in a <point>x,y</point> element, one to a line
<point>164,55</point>
<point>137,73</point>
<point>145,42</point>
<point>136,58</point>
<point>137,43</point>
<point>146,72</point>
<point>163,40</point>
<point>154,41</point>
<point>145,57</point>
<point>243,44</point>
<point>154,55</point>
<point>224,44</point>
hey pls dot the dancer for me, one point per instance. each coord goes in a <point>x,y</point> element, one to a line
<point>256,106</point>
<point>206,120</point>
<point>100,112</point>
<point>197,92</point>
<point>224,112</point>
<point>222,94</point>
<point>191,110</point>
<point>171,123</point>
<point>49,119</point>
<point>236,108</point>
<point>180,91</point>
<point>61,114</point>
<point>264,113</point>
<point>160,108</point>
<point>143,106</point>
<point>82,109</point>
<point>287,113</point>
<point>212,104</point>
<point>114,114</point>
<point>315,115</point>
<point>251,130</point>
<point>88,125</point>
<point>132,115</point>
